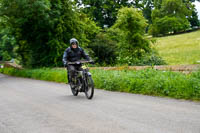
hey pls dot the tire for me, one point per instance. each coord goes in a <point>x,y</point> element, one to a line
<point>89,87</point>
<point>74,91</point>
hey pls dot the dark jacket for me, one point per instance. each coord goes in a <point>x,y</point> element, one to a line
<point>71,55</point>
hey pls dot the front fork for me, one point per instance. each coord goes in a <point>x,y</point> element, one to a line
<point>85,82</point>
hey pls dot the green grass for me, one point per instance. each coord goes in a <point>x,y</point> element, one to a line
<point>148,82</point>
<point>180,49</point>
<point>47,74</point>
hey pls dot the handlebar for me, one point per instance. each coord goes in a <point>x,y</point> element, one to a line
<point>80,62</point>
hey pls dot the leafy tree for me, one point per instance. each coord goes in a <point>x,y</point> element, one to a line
<point>104,12</point>
<point>131,28</point>
<point>42,29</point>
<point>7,45</point>
<point>87,29</point>
<point>104,49</point>
<point>7,41</point>
<point>29,21</point>
<point>171,16</point>
<point>193,19</point>
<point>169,24</point>
<point>158,4</point>
<point>147,9</point>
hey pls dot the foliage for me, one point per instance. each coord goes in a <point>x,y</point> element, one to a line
<point>86,29</point>
<point>7,42</point>
<point>149,59</point>
<point>169,16</point>
<point>124,43</point>
<point>193,17</point>
<point>36,32</point>
<point>42,29</point>
<point>103,12</point>
<point>194,22</point>
<point>130,28</point>
<point>147,9</point>
<point>104,49</point>
<point>166,25</point>
<point>148,82</point>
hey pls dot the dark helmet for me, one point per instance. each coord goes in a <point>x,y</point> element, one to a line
<point>73,40</point>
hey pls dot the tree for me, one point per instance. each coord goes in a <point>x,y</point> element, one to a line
<point>171,16</point>
<point>42,29</point>
<point>7,40</point>
<point>147,9</point>
<point>158,4</point>
<point>193,19</point>
<point>130,27</point>
<point>30,23</point>
<point>7,44</point>
<point>103,12</point>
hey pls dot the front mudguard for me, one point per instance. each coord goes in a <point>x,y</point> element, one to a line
<point>89,74</point>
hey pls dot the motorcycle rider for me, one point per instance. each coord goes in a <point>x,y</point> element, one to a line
<point>72,54</point>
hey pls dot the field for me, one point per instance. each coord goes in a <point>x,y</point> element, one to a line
<point>180,49</point>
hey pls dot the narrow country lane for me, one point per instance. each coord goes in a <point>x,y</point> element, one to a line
<point>33,106</point>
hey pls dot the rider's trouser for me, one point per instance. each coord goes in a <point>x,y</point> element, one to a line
<point>71,71</point>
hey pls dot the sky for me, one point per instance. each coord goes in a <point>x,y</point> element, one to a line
<point>197,4</point>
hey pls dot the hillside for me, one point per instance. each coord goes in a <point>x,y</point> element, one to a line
<point>180,49</point>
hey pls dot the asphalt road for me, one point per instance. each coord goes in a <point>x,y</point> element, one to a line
<point>33,106</point>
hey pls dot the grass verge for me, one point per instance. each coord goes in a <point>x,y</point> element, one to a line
<point>148,81</point>
<point>47,74</point>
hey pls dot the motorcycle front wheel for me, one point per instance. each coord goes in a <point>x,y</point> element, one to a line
<point>89,87</point>
<point>73,89</point>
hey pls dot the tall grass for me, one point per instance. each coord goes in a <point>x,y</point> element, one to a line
<point>57,75</point>
<point>148,82</point>
<point>180,49</point>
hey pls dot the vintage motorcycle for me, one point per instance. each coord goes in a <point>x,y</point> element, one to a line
<point>82,80</point>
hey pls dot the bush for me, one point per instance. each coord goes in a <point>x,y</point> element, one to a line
<point>151,59</point>
<point>147,59</point>
<point>104,49</point>
<point>130,28</point>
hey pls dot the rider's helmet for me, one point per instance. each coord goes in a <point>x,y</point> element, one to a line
<point>74,40</point>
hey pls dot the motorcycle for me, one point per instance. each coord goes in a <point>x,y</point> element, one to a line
<point>82,80</point>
